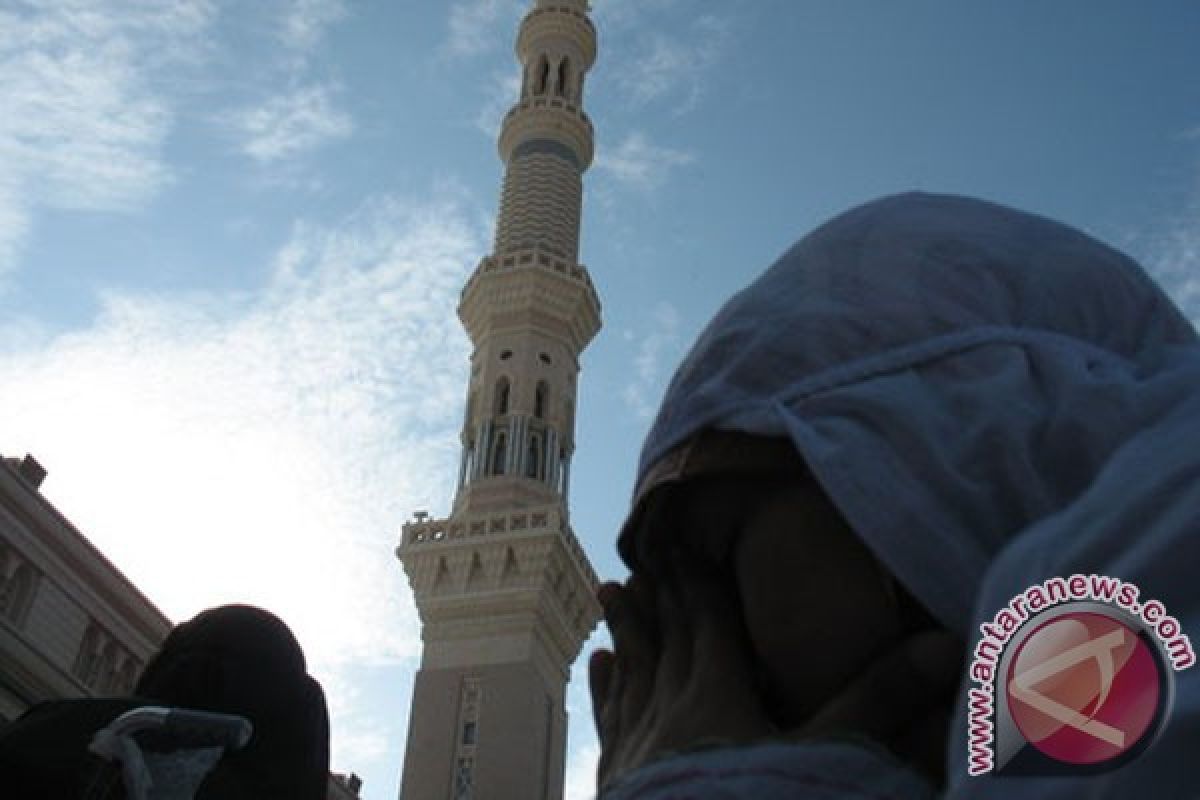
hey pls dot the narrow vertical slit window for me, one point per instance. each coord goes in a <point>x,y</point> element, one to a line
<point>499,454</point>
<point>539,400</point>
<point>503,389</point>
<point>564,71</point>
<point>533,459</point>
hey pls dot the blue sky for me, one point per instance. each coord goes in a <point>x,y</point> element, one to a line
<point>232,237</point>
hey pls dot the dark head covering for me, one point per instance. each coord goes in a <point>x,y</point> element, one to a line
<point>243,660</point>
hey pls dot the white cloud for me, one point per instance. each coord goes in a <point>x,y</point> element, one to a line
<point>673,68</point>
<point>474,24</point>
<point>290,124</point>
<point>613,14</point>
<point>662,340</point>
<point>305,21</point>
<point>265,448</point>
<point>502,92</point>
<point>640,163</point>
<point>82,122</point>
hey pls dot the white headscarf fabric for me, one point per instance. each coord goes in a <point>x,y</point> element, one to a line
<point>990,398</point>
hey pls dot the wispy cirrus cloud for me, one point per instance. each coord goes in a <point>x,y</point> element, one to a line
<point>672,67</point>
<point>502,91</point>
<point>298,112</point>
<point>82,119</point>
<point>305,22</point>
<point>473,25</point>
<point>639,163</point>
<point>290,124</point>
<point>660,341</point>
<point>270,444</point>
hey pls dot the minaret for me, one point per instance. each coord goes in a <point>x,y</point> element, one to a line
<point>505,592</point>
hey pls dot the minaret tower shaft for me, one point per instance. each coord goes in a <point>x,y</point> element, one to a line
<point>505,593</point>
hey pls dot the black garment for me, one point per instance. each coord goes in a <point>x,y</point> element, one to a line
<point>44,754</point>
<point>233,659</point>
<point>243,660</point>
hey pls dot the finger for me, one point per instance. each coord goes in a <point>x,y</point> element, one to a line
<point>608,705</point>
<point>675,659</point>
<point>720,641</point>
<point>600,675</point>
<point>635,640</point>
<point>720,674</point>
<point>922,673</point>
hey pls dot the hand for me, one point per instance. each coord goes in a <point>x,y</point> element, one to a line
<point>680,676</point>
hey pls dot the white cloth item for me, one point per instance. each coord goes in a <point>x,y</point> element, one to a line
<point>991,399</point>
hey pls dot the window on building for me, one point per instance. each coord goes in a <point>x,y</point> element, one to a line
<point>87,662</point>
<point>540,76</point>
<point>539,400</point>
<point>16,594</point>
<point>126,677</point>
<point>533,466</point>
<point>564,72</point>
<point>462,779</point>
<point>499,454</point>
<point>503,390</point>
<point>468,732</point>
<point>105,668</point>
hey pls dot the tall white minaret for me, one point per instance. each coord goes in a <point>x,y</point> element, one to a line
<point>505,593</point>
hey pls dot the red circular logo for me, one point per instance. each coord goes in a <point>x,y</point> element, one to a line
<point>1084,688</point>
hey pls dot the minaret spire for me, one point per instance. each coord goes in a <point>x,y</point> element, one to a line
<point>505,593</point>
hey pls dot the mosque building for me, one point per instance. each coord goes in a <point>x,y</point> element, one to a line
<point>505,593</point>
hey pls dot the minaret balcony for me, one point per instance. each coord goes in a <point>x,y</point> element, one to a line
<point>470,573</point>
<point>547,118</point>
<point>530,288</point>
<point>556,22</point>
<point>431,535</point>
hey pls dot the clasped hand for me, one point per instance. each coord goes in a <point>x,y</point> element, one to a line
<point>683,676</point>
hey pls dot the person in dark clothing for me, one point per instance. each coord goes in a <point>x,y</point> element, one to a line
<point>927,406</point>
<point>233,659</point>
<point>243,660</point>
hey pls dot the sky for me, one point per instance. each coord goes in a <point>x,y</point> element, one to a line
<point>233,235</point>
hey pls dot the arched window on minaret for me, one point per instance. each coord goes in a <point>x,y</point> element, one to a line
<point>533,460</point>
<point>540,75</point>
<point>503,389</point>
<point>499,454</point>
<point>564,73</point>
<point>539,400</point>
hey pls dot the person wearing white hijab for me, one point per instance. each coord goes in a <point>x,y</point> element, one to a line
<point>926,406</point>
